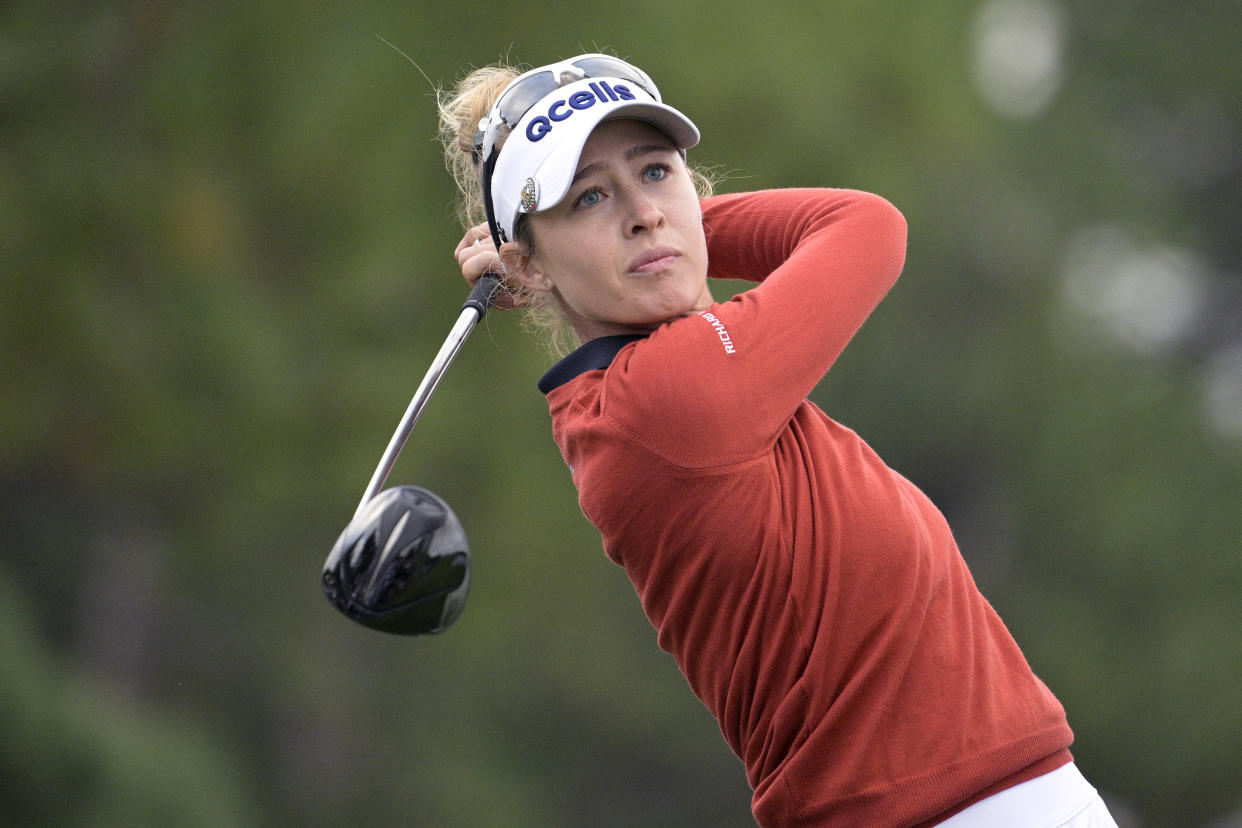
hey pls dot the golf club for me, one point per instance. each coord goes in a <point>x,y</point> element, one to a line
<point>402,565</point>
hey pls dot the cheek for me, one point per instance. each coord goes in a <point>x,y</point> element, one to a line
<point>582,281</point>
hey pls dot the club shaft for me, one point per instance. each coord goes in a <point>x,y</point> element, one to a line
<point>471,313</point>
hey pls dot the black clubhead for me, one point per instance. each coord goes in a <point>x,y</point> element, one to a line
<point>402,565</point>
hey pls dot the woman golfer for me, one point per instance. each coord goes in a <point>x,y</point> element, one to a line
<point>813,597</point>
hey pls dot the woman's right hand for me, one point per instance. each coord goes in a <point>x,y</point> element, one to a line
<point>476,255</point>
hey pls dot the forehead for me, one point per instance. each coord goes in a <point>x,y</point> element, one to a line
<point>620,135</point>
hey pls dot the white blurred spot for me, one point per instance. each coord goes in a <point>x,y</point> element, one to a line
<point>1018,52</point>
<point>1147,296</point>
<point>1222,390</point>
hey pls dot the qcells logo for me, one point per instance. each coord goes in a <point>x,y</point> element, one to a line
<point>601,92</point>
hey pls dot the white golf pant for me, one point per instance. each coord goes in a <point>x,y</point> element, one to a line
<point>1060,799</point>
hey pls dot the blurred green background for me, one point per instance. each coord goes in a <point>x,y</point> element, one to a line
<point>226,238</point>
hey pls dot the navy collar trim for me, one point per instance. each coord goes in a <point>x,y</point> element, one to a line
<point>596,354</point>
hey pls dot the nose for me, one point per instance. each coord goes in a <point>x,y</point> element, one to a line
<point>644,214</point>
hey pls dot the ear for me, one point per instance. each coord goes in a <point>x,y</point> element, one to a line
<point>524,268</point>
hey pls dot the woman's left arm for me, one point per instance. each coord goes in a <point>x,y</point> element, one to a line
<point>824,260</point>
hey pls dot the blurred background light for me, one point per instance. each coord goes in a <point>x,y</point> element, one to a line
<point>1018,55</point>
<point>1147,296</point>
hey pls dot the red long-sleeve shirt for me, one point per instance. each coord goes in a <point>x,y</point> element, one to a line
<point>813,597</point>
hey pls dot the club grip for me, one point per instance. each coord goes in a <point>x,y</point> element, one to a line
<point>483,293</point>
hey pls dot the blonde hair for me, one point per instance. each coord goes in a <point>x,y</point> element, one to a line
<point>460,111</point>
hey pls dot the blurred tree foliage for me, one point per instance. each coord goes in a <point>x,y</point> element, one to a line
<point>226,240</point>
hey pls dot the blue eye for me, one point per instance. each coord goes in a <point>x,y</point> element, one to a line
<point>655,172</point>
<point>589,198</point>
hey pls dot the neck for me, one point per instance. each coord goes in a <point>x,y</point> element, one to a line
<point>587,329</point>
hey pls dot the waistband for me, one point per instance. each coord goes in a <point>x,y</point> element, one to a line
<point>1043,802</point>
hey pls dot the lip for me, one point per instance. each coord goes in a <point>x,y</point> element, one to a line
<point>653,260</point>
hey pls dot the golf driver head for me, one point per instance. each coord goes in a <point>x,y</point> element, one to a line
<point>402,565</point>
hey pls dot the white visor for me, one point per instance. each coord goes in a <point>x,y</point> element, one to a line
<point>537,163</point>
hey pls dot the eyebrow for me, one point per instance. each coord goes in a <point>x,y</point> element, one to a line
<point>630,155</point>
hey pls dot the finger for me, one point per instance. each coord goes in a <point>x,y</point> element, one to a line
<point>479,249</point>
<point>477,242</point>
<point>480,258</point>
<point>474,269</point>
<point>475,265</point>
<point>476,236</point>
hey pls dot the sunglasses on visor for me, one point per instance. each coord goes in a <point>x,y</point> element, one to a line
<point>527,90</point>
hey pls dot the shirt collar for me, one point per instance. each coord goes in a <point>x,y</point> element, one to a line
<point>596,354</point>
